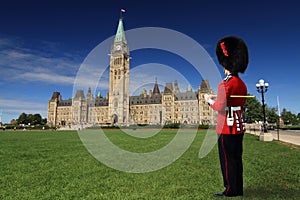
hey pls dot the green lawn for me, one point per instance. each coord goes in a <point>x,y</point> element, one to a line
<point>56,165</point>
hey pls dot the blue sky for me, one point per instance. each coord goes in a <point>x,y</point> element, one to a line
<point>44,43</point>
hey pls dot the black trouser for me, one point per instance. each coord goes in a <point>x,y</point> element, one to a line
<point>230,152</point>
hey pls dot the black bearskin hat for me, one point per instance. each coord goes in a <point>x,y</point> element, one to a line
<point>232,53</point>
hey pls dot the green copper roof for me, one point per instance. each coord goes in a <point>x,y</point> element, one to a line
<point>120,36</point>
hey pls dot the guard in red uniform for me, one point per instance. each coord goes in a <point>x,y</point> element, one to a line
<point>232,54</point>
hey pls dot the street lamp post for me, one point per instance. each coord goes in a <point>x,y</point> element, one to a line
<point>262,88</point>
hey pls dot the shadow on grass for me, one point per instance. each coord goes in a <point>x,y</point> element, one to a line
<point>271,193</point>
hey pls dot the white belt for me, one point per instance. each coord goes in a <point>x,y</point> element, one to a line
<point>230,118</point>
<point>234,108</point>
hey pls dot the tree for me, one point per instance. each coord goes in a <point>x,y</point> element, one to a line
<point>289,118</point>
<point>44,121</point>
<point>22,119</point>
<point>271,115</point>
<point>32,119</point>
<point>37,119</point>
<point>253,113</point>
<point>298,119</point>
<point>253,110</point>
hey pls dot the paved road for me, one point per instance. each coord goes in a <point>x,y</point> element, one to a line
<point>290,136</point>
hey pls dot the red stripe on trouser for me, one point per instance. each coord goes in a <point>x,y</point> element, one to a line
<point>226,166</point>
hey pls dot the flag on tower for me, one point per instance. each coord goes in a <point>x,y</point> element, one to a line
<point>123,10</point>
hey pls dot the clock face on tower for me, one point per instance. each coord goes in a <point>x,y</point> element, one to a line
<point>118,47</point>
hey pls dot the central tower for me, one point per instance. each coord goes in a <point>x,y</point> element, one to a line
<point>119,79</point>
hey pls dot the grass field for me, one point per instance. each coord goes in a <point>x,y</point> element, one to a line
<point>56,165</point>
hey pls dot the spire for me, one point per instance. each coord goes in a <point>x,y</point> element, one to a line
<point>99,95</point>
<point>168,88</point>
<point>205,87</point>
<point>79,94</point>
<point>55,95</point>
<point>176,88</point>
<point>156,88</point>
<point>89,94</point>
<point>120,35</point>
<point>189,88</point>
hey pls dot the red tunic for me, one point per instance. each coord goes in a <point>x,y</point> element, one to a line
<point>231,85</point>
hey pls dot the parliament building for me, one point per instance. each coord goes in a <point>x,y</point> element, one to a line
<point>118,108</point>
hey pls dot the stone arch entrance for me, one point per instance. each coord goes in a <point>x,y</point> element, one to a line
<point>115,118</point>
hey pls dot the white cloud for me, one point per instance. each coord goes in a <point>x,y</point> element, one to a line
<point>29,65</point>
<point>5,42</point>
<point>47,78</point>
<point>17,55</point>
<point>17,107</point>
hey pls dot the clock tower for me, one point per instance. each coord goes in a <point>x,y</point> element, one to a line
<point>119,79</point>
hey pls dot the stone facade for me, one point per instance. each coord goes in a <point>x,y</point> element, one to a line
<point>154,108</point>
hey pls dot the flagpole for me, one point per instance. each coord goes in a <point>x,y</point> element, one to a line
<point>278,107</point>
<point>278,122</point>
<point>122,11</point>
